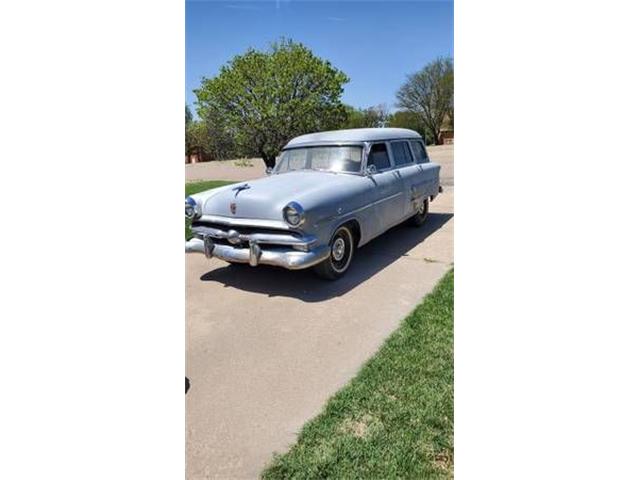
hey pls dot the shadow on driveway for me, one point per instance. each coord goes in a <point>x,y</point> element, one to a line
<point>305,286</point>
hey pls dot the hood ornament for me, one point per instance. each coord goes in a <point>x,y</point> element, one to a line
<point>232,206</point>
<point>239,188</point>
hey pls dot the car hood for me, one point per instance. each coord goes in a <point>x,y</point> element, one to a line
<point>266,197</point>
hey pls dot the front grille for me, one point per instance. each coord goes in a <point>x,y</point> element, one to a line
<point>200,228</point>
<point>243,230</point>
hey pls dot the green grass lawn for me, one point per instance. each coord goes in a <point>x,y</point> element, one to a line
<point>195,187</point>
<point>395,419</point>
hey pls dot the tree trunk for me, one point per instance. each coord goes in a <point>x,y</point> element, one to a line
<point>436,136</point>
<point>269,160</point>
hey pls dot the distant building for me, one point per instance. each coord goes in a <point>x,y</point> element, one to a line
<point>196,157</point>
<point>446,132</point>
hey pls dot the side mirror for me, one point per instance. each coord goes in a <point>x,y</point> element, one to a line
<point>371,170</point>
<point>269,170</point>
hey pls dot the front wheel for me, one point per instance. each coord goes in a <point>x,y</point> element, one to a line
<point>421,216</point>
<point>342,247</point>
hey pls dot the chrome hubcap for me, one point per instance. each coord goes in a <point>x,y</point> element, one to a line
<point>421,209</point>
<point>338,249</point>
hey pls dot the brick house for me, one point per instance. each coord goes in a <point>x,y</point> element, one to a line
<point>446,132</point>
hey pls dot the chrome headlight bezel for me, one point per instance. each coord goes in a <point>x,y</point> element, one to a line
<point>291,211</point>
<point>192,208</point>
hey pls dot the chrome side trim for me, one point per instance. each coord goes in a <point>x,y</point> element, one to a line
<point>355,211</point>
<point>364,207</point>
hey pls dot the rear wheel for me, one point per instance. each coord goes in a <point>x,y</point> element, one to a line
<point>341,247</point>
<point>421,216</point>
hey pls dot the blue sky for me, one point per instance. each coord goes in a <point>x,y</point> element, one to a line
<point>375,43</point>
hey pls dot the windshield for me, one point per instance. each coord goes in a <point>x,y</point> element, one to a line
<point>330,159</point>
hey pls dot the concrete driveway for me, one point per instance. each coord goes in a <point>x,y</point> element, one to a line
<point>267,347</point>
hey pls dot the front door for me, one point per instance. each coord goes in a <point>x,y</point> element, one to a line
<point>389,197</point>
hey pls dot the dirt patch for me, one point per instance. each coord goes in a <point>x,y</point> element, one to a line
<point>443,461</point>
<point>361,427</point>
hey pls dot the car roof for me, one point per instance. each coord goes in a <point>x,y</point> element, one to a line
<point>353,135</point>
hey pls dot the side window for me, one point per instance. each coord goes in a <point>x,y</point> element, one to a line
<point>419,152</point>
<point>379,157</point>
<point>401,153</point>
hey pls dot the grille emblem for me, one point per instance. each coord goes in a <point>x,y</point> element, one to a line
<point>232,207</point>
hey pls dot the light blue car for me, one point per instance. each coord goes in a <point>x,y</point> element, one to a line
<point>328,194</point>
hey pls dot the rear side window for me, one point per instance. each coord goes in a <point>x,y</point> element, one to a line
<point>379,156</point>
<point>419,152</point>
<point>401,153</point>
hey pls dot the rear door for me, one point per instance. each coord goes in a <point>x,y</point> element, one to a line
<point>429,172</point>
<point>410,174</point>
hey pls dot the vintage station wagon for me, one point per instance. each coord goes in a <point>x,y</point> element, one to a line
<point>329,193</point>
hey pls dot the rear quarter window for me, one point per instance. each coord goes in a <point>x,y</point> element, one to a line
<point>419,151</point>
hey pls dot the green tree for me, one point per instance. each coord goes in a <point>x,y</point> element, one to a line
<point>209,141</point>
<point>222,138</point>
<point>188,118</point>
<point>372,117</point>
<point>197,139</point>
<point>429,94</point>
<point>412,121</point>
<point>265,98</point>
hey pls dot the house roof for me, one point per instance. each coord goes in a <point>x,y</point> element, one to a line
<point>352,135</point>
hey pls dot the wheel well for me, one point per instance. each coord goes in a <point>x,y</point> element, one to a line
<point>354,226</point>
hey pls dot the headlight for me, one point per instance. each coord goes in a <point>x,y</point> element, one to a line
<point>293,214</point>
<point>192,208</point>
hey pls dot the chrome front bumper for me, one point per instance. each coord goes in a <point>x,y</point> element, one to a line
<point>256,255</point>
<point>282,249</point>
